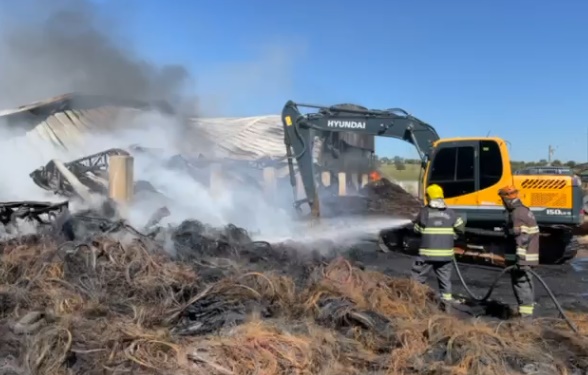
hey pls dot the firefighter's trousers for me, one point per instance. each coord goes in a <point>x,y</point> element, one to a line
<point>443,271</point>
<point>524,291</point>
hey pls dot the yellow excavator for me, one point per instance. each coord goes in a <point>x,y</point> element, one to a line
<point>470,171</point>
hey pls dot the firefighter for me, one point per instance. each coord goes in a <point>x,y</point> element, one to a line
<point>523,250</point>
<point>438,226</point>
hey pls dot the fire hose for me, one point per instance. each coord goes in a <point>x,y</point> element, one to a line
<point>488,294</point>
<point>471,294</point>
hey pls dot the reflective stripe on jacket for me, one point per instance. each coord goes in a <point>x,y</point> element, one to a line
<point>437,227</point>
<point>524,235</point>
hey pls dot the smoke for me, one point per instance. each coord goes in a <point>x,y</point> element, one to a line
<point>186,198</point>
<point>232,86</point>
<point>69,46</point>
<point>49,48</point>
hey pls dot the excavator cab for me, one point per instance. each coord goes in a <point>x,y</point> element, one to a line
<point>471,170</point>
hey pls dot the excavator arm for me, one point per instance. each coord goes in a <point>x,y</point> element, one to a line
<point>300,130</point>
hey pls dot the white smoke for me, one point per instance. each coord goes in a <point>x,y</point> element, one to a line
<point>243,205</point>
<point>239,204</point>
<point>69,46</point>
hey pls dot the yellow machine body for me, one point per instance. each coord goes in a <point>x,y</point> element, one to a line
<point>555,199</point>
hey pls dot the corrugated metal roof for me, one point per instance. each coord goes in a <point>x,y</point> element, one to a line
<point>38,104</point>
<point>247,138</point>
<point>66,129</point>
<point>62,122</point>
<point>80,101</point>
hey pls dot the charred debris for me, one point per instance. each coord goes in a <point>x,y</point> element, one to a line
<point>86,180</point>
<point>194,299</point>
<point>90,173</point>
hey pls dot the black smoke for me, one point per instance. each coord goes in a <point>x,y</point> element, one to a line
<point>49,48</point>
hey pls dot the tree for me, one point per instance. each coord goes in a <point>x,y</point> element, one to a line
<point>516,165</point>
<point>571,164</point>
<point>556,163</point>
<point>399,163</point>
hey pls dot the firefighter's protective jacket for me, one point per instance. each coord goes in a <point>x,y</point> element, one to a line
<point>437,225</point>
<point>524,234</point>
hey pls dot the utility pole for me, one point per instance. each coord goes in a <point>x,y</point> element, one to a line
<point>550,153</point>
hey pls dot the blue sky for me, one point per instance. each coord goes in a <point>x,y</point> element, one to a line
<point>513,69</point>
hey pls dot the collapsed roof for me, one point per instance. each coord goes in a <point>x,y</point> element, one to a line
<point>63,120</point>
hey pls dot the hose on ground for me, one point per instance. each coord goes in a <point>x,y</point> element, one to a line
<point>493,286</point>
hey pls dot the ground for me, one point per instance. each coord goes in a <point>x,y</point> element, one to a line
<point>569,282</point>
<point>411,173</point>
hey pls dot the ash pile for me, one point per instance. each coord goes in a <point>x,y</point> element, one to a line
<point>387,197</point>
<point>193,299</point>
<point>380,198</point>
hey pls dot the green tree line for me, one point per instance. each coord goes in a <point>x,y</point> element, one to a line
<point>401,163</point>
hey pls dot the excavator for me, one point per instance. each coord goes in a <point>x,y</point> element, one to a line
<point>470,171</point>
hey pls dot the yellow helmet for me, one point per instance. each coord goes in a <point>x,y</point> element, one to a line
<point>434,192</point>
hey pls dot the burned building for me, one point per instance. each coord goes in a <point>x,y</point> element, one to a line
<point>66,123</point>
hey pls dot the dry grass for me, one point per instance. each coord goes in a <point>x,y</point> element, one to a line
<point>105,307</point>
<point>409,173</point>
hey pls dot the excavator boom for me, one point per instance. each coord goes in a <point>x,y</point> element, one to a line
<point>300,129</point>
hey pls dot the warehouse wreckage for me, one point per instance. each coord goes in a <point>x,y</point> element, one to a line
<point>62,120</point>
<point>87,179</point>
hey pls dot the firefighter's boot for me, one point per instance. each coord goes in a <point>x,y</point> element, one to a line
<point>447,303</point>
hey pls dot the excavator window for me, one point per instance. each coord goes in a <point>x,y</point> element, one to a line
<point>453,168</point>
<point>491,167</point>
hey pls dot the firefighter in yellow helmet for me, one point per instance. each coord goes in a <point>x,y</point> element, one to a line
<point>523,249</point>
<point>438,226</point>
